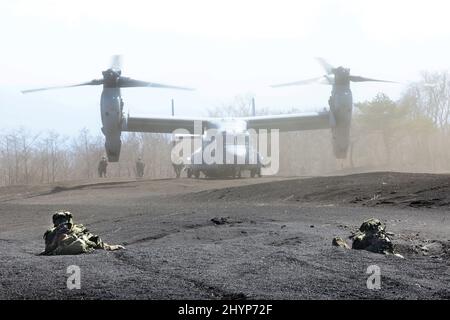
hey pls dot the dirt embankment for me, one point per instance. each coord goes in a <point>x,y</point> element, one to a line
<point>369,189</point>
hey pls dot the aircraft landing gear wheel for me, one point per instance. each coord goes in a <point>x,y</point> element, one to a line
<point>196,174</point>
<point>189,173</point>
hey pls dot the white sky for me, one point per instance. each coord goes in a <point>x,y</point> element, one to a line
<point>222,48</point>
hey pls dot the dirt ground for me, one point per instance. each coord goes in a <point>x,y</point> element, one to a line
<point>267,238</point>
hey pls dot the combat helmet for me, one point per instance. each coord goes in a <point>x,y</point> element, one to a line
<point>62,217</point>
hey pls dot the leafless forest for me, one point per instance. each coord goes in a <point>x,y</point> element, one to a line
<point>411,134</point>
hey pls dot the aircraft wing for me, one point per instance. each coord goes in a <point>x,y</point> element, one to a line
<point>291,122</point>
<point>163,124</point>
<point>287,122</point>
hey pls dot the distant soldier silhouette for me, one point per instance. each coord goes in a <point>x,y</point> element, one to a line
<point>140,166</point>
<point>177,164</point>
<point>178,168</point>
<point>177,160</point>
<point>102,167</point>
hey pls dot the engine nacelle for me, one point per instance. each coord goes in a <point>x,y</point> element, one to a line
<point>341,142</point>
<point>341,105</point>
<point>112,147</point>
<point>111,112</point>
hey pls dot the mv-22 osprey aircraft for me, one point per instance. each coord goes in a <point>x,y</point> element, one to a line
<point>337,118</point>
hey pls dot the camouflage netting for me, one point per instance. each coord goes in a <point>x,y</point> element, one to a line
<point>67,238</point>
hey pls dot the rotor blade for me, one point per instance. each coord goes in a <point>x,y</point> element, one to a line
<point>116,62</point>
<point>90,83</point>
<point>363,79</point>
<point>328,79</point>
<point>303,82</point>
<point>325,65</point>
<point>129,83</point>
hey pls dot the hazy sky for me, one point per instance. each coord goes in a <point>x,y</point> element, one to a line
<point>222,48</point>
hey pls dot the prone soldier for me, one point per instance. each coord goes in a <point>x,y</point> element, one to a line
<point>67,238</point>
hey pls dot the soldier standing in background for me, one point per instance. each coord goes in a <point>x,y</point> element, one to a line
<point>140,166</point>
<point>102,167</point>
<point>177,159</point>
<point>178,168</point>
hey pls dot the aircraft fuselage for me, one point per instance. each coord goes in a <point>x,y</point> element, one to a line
<point>226,151</point>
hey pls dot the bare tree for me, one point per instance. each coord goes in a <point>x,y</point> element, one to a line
<point>430,97</point>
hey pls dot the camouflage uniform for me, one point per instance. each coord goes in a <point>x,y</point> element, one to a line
<point>177,160</point>
<point>372,236</point>
<point>178,168</point>
<point>67,238</point>
<point>102,167</point>
<point>140,165</point>
<point>177,164</point>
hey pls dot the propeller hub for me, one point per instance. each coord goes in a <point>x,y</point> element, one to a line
<point>341,75</point>
<point>111,78</point>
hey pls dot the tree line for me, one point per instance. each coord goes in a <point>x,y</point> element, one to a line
<point>29,158</point>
